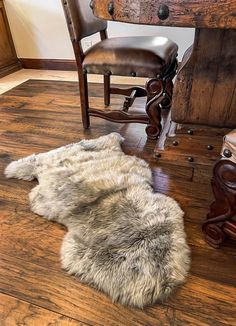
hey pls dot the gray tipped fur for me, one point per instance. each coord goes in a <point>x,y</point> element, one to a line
<point>122,238</point>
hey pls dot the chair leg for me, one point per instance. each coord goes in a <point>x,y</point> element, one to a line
<point>166,103</point>
<point>107,94</point>
<point>155,96</point>
<point>84,102</point>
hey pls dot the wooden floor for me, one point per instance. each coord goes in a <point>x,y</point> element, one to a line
<point>41,115</point>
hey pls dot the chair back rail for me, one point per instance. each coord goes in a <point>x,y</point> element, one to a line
<point>80,19</point>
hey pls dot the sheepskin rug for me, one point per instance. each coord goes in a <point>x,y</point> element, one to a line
<point>123,238</point>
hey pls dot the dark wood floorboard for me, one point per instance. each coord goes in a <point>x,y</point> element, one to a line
<point>38,116</point>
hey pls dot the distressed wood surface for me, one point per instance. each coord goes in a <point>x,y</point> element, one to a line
<point>183,145</point>
<point>182,13</point>
<point>18,312</point>
<point>205,89</point>
<point>41,115</point>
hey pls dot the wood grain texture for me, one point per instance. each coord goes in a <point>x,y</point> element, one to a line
<point>206,82</point>
<point>41,115</point>
<point>8,59</point>
<point>18,312</point>
<point>183,145</point>
<point>58,292</point>
<point>192,13</point>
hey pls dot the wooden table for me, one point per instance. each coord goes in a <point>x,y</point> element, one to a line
<point>205,88</point>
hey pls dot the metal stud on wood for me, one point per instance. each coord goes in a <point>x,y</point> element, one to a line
<point>190,159</point>
<point>110,8</point>
<point>209,147</point>
<point>227,153</point>
<point>175,143</point>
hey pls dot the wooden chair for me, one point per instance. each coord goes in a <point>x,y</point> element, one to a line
<point>221,220</point>
<point>151,57</point>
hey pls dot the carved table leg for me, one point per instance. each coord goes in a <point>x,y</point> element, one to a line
<point>223,209</point>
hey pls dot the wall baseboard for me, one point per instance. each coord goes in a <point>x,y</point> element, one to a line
<point>49,64</point>
<point>9,69</point>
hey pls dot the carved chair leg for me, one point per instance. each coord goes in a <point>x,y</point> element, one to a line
<point>107,94</point>
<point>154,88</point>
<point>166,103</point>
<point>84,101</point>
<point>223,209</point>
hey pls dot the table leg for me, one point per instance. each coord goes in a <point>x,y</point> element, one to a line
<point>205,87</point>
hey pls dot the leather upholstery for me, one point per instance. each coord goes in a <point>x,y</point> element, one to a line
<point>230,144</point>
<point>138,56</point>
<point>80,19</point>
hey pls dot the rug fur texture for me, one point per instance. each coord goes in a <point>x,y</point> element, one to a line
<point>123,238</point>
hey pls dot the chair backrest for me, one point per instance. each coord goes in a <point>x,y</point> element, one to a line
<point>80,19</point>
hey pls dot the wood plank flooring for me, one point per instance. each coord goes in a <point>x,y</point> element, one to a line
<point>38,116</point>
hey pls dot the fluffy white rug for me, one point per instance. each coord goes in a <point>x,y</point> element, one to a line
<point>122,238</point>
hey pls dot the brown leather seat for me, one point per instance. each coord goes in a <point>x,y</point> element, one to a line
<point>142,56</point>
<point>152,57</point>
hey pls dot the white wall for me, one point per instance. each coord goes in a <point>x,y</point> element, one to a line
<point>39,30</point>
